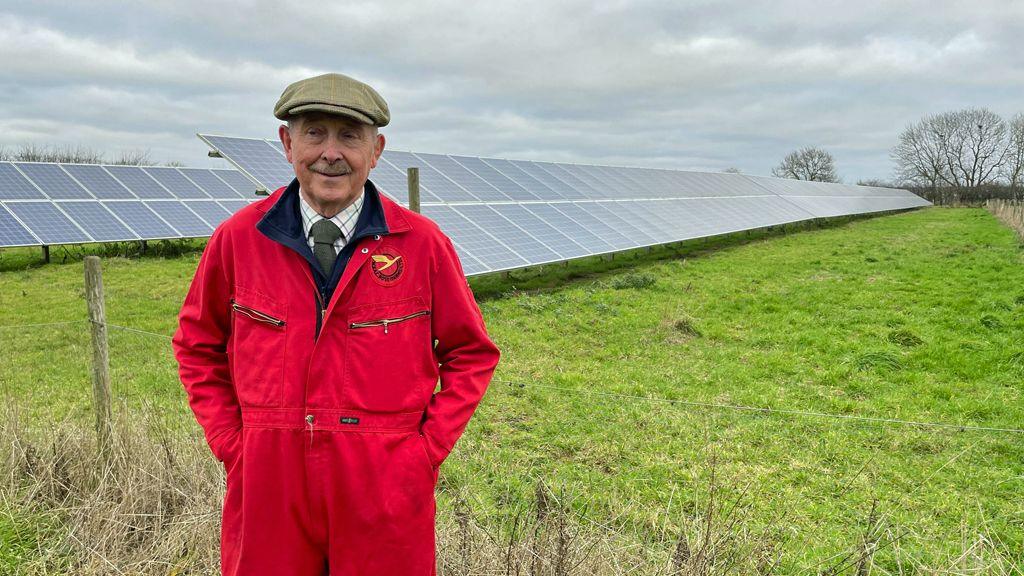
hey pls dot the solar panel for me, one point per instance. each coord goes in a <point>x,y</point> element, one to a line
<point>567,177</point>
<point>97,221</point>
<point>54,182</point>
<point>175,181</point>
<point>98,181</point>
<point>474,239</point>
<point>503,214</point>
<point>143,221</point>
<point>48,223</point>
<point>233,206</point>
<point>611,214</point>
<point>524,244</point>
<point>559,187</point>
<point>209,211</point>
<point>260,159</point>
<point>475,186</point>
<point>14,186</point>
<point>391,181</point>
<point>431,180</point>
<point>541,230</point>
<point>398,172</point>
<point>573,229</point>
<point>580,214</point>
<point>245,187</point>
<point>503,183</point>
<point>513,172</point>
<point>210,183</point>
<point>12,233</point>
<point>181,218</point>
<point>140,183</point>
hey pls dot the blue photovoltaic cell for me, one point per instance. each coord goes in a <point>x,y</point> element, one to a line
<point>260,159</point>
<point>617,239</point>
<point>430,180</point>
<point>53,181</point>
<point>541,230</point>
<point>463,177</point>
<point>97,221</point>
<point>174,181</point>
<point>621,186</point>
<point>523,244</point>
<point>12,233</point>
<point>641,213</point>
<point>573,229</point>
<point>138,182</point>
<point>560,187</point>
<point>495,178</point>
<point>142,220</point>
<point>533,185</point>
<point>48,223</point>
<point>210,211</point>
<point>233,206</point>
<point>98,181</point>
<point>14,186</point>
<point>601,187</point>
<point>208,181</point>
<point>181,218</point>
<point>403,161</point>
<point>558,171</point>
<point>473,239</point>
<point>392,182</point>
<point>611,214</point>
<point>245,187</point>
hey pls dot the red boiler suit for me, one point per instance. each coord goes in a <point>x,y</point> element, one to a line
<point>325,413</point>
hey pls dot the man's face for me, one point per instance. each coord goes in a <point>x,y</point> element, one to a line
<point>332,157</point>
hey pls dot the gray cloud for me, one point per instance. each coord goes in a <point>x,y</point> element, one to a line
<point>698,85</point>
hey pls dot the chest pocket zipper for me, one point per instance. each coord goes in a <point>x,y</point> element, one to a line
<point>386,321</point>
<point>256,314</point>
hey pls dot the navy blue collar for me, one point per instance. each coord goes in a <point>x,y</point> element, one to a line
<point>283,223</point>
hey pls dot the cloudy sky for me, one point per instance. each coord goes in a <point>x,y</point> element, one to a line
<point>691,85</point>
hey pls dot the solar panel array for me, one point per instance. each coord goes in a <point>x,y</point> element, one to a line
<point>49,203</point>
<point>507,214</point>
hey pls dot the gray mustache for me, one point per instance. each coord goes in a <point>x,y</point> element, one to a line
<point>336,169</point>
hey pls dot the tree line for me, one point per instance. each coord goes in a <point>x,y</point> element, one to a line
<point>958,157</point>
<point>68,154</point>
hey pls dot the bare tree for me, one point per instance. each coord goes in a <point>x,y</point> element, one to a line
<point>919,155</point>
<point>962,149</point>
<point>73,155</point>
<point>807,163</point>
<point>732,170</point>
<point>1014,168</point>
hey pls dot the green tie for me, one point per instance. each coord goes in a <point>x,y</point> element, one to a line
<point>324,234</point>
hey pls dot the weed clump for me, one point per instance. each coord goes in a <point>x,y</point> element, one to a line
<point>879,360</point>
<point>686,327</point>
<point>905,338</point>
<point>991,322</point>
<point>637,281</point>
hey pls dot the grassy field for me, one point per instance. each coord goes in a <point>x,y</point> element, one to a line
<point>916,316</point>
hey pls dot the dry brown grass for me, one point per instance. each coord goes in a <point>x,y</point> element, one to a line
<point>154,509</point>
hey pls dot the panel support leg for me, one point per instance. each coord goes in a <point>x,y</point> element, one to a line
<point>46,254</point>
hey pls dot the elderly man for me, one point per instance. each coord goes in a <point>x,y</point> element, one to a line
<point>310,343</point>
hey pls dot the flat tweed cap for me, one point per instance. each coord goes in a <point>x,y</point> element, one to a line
<point>333,94</point>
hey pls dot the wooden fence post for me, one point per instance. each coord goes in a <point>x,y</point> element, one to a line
<point>100,356</point>
<point>414,189</point>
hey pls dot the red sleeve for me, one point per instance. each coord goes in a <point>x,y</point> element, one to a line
<point>200,347</point>
<point>465,353</point>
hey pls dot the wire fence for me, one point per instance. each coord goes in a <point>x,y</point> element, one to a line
<point>835,563</point>
<point>784,411</point>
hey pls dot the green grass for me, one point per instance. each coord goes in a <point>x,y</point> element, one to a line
<point>917,316</point>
